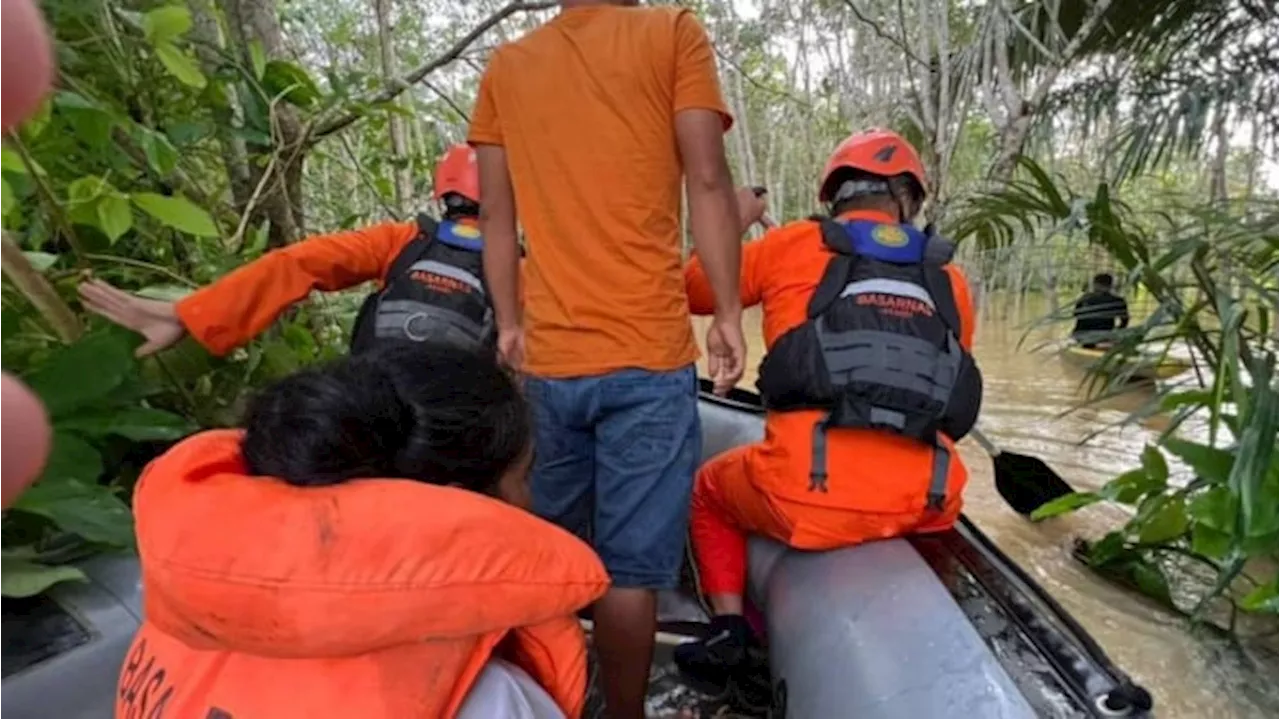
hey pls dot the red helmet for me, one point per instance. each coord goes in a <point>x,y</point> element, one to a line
<point>457,174</point>
<point>877,152</point>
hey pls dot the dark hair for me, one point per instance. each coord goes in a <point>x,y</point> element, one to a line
<point>455,206</point>
<point>897,186</point>
<point>408,410</point>
<point>1104,279</point>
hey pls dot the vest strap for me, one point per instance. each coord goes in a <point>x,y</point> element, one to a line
<point>818,470</point>
<point>937,498</point>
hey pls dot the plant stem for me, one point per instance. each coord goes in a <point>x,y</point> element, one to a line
<point>39,292</point>
<point>55,208</point>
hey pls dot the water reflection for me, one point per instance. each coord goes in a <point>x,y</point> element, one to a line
<point>1027,395</point>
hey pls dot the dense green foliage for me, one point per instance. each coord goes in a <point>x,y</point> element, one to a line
<point>1212,274</point>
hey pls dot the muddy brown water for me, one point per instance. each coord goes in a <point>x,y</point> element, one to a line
<point>1027,392</point>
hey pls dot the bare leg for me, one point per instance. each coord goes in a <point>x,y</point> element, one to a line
<point>625,620</point>
<point>726,603</point>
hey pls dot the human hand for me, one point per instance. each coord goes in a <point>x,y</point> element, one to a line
<point>726,352</point>
<point>751,206</point>
<point>155,320</point>
<point>511,347</point>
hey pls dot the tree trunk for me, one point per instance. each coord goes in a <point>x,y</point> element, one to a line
<point>235,157</point>
<point>395,123</point>
<point>278,183</point>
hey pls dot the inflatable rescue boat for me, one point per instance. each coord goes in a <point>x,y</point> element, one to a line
<point>942,625</point>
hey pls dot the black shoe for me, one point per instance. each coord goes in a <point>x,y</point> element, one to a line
<point>715,660</point>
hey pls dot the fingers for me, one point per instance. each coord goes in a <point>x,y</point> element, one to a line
<point>106,301</point>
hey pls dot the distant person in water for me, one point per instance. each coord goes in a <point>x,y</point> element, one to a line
<point>1099,313</point>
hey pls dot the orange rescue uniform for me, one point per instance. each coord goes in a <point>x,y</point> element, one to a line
<point>877,481</point>
<point>240,306</point>
<point>378,599</point>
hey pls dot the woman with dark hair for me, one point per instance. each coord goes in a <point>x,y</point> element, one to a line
<point>360,549</point>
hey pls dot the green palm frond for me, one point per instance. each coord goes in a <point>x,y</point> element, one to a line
<point>1173,68</point>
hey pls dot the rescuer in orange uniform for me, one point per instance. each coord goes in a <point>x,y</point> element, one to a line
<point>868,381</point>
<point>431,276</point>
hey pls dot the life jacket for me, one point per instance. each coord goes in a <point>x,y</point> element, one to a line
<point>376,598</point>
<point>434,292</point>
<point>880,349</point>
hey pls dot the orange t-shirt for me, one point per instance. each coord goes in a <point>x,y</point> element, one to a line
<point>869,471</point>
<point>585,108</point>
<point>240,306</point>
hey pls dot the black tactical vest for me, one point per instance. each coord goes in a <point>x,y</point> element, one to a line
<point>881,347</point>
<point>434,292</point>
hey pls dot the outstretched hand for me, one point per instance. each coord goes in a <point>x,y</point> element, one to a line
<point>155,320</point>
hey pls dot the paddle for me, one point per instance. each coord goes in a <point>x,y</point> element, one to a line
<point>1023,482</point>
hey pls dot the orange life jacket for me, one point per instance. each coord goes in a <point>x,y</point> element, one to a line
<point>376,598</point>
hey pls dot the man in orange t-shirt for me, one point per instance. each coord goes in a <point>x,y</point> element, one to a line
<point>587,125</point>
<point>867,378</point>
<point>240,306</point>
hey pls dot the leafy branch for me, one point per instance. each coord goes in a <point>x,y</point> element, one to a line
<point>395,88</point>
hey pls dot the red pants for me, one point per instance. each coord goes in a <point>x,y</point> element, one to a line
<point>728,504</point>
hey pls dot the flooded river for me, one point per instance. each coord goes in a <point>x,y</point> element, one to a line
<point>1026,392</point>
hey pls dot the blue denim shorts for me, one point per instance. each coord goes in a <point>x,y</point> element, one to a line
<point>614,458</point>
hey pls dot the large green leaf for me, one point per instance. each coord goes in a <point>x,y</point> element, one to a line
<point>287,79</point>
<point>180,65</point>
<point>81,374</point>
<point>40,261</point>
<point>1214,508</point>
<point>1153,462</point>
<point>1208,462</point>
<point>91,511</point>
<point>1166,522</point>
<point>11,161</point>
<point>72,458</point>
<point>162,156</point>
<point>166,23</point>
<point>258,58</point>
<point>114,216</point>
<point>1262,598</point>
<point>24,578</point>
<point>1130,487</point>
<point>1064,504</point>
<point>136,423</point>
<point>1210,542</point>
<point>7,201</point>
<point>177,212</point>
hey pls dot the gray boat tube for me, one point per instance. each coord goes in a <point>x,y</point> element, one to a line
<point>937,625</point>
<point>866,631</point>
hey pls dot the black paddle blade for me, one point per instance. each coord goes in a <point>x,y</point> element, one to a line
<point>1027,482</point>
